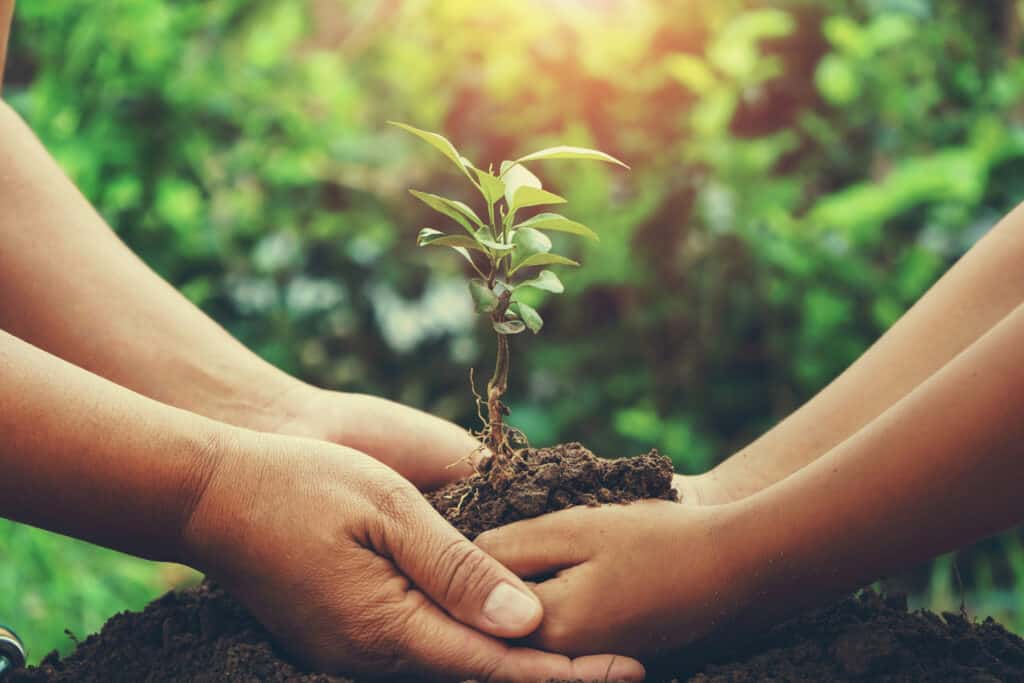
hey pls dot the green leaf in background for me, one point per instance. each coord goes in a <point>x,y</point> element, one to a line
<point>430,237</point>
<point>456,210</point>
<point>529,316</point>
<point>509,327</point>
<point>544,260</point>
<point>691,71</point>
<point>556,223</point>
<point>837,80</point>
<point>567,152</point>
<point>484,299</point>
<point>847,36</point>
<point>439,142</point>
<point>545,280</point>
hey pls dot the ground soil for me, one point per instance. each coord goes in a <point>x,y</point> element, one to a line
<point>202,635</point>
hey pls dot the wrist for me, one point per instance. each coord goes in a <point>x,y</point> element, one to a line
<point>205,527</point>
<point>740,553</point>
<point>734,479</point>
<point>772,554</point>
<point>261,399</point>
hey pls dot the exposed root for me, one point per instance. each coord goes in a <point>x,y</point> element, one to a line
<point>462,500</point>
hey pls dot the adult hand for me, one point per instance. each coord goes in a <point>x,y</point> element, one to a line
<point>638,579</point>
<point>348,566</point>
<point>426,450</point>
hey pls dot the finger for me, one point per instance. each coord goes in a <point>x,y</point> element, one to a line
<point>544,545</point>
<point>459,576</point>
<point>446,650</point>
<point>427,450</point>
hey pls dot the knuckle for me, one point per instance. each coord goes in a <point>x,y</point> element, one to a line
<point>486,540</point>
<point>558,635</point>
<point>394,501</point>
<point>488,670</point>
<point>467,569</point>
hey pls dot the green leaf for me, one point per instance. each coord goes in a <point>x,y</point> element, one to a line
<point>455,210</point>
<point>440,142</point>
<point>485,300</point>
<point>556,223</point>
<point>529,242</point>
<point>529,316</point>
<point>516,176</point>
<point>531,196</point>
<point>429,237</point>
<point>545,280</point>
<point>483,236</point>
<point>491,187</point>
<point>509,327</point>
<point>466,255</point>
<point>544,260</point>
<point>566,152</point>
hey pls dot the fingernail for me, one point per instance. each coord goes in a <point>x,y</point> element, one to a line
<point>509,607</point>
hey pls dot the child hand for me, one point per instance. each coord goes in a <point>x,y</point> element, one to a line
<point>635,579</point>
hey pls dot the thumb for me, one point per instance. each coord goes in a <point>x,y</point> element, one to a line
<point>460,577</point>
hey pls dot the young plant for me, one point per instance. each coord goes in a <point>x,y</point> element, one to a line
<point>508,253</point>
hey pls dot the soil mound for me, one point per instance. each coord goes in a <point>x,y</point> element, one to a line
<point>201,635</point>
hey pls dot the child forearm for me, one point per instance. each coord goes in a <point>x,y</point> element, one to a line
<point>972,297</point>
<point>941,468</point>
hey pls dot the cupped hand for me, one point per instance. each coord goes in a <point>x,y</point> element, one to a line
<point>349,567</point>
<point>426,450</point>
<point>637,579</point>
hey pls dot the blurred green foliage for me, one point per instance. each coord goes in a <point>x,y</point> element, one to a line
<point>803,171</point>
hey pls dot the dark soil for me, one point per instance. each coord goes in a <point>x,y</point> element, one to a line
<point>202,635</point>
<point>541,480</point>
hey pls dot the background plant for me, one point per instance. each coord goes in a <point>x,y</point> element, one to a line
<point>803,172</point>
<point>510,251</point>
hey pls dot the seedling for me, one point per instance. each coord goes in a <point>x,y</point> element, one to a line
<point>507,252</point>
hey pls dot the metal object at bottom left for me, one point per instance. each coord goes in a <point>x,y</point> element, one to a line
<point>12,652</point>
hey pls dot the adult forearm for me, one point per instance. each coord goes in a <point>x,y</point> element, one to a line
<point>940,469</point>
<point>70,286</point>
<point>972,297</point>
<point>84,457</point>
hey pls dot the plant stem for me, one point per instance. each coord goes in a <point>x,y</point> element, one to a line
<point>495,431</point>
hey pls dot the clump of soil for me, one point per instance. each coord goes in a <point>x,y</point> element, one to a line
<point>536,481</point>
<point>202,635</point>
